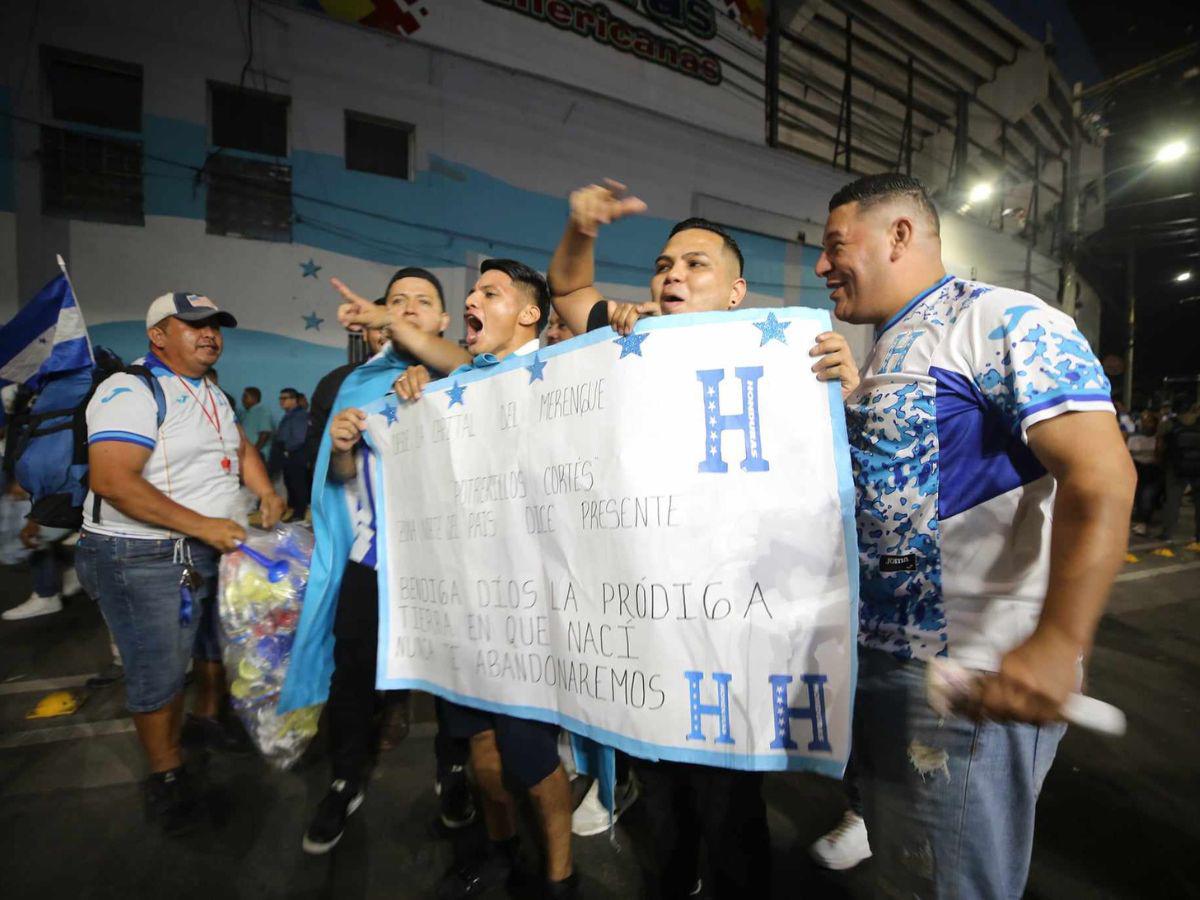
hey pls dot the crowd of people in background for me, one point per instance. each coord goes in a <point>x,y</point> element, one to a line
<point>1164,441</point>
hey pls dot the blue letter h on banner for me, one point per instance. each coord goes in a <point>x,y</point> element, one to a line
<point>715,423</point>
<point>815,712</point>
<point>720,709</point>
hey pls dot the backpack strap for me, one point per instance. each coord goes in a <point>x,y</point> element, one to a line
<point>160,403</point>
<point>151,381</point>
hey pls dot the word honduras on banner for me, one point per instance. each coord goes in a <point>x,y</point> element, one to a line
<point>47,336</point>
<point>646,539</point>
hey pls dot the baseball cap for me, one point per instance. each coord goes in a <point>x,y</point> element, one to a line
<point>187,307</point>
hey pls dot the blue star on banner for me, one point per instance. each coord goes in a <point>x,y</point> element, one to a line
<point>309,269</point>
<point>630,344</point>
<point>389,413</point>
<point>456,394</point>
<point>312,322</point>
<point>772,329</point>
<point>535,369</point>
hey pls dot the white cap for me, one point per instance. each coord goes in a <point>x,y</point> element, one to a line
<point>189,308</point>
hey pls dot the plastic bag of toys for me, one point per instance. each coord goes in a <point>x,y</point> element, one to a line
<point>260,592</point>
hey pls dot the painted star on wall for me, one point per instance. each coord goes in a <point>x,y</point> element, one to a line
<point>312,322</point>
<point>630,344</point>
<point>309,269</point>
<point>456,394</point>
<point>772,329</point>
<point>535,369</point>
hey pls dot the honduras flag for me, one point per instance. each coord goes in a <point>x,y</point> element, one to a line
<point>46,336</point>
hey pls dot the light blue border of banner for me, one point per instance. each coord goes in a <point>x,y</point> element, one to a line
<point>773,762</point>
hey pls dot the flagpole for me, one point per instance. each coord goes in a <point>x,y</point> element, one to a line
<point>63,265</point>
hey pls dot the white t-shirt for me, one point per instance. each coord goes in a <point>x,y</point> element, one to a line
<point>954,510</point>
<point>187,454</point>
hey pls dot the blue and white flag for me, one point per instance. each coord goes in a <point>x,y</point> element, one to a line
<point>46,336</point>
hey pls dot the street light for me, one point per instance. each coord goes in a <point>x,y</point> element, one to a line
<point>1184,276</point>
<point>979,192</point>
<point>1171,152</point>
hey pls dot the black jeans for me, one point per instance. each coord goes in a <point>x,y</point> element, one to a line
<point>353,700</point>
<point>685,804</point>
<point>296,480</point>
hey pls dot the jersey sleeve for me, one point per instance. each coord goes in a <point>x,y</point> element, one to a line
<point>123,409</point>
<point>1029,360</point>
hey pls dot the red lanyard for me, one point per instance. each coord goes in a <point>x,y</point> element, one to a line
<point>214,418</point>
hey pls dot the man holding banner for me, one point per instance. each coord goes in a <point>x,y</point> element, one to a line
<point>994,492</point>
<point>700,269</point>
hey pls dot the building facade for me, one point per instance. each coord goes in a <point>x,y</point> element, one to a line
<point>251,150</point>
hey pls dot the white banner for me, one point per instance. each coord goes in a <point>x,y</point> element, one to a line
<point>648,540</point>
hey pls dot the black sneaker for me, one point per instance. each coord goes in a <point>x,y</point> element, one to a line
<point>476,877</point>
<point>226,736</point>
<point>330,821</point>
<point>567,889</point>
<point>456,805</point>
<point>171,801</point>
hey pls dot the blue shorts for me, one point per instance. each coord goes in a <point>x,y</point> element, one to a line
<point>528,749</point>
<point>136,583</point>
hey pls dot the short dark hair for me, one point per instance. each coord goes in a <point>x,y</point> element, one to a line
<point>873,189</point>
<point>707,225</point>
<point>291,392</point>
<point>531,279</point>
<point>253,392</point>
<point>418,272</point>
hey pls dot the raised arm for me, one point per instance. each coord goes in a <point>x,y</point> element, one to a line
<point>572,271</point>
<point>433,350</point>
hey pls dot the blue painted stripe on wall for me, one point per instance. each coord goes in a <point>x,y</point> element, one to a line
<point>367,219</point>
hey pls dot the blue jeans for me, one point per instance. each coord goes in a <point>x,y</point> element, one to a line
<point>136,583</point>
<point>949,805</point>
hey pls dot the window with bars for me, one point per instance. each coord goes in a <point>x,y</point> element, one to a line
<point>243,119</point>
<point>379,146</point>
<point>248,198</point>
<point>90,177</point>
<point>96,177</point>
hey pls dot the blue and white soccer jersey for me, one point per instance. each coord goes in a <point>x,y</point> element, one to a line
<point>186,452</point>
<point>954,510</point>
<point>360,500</point>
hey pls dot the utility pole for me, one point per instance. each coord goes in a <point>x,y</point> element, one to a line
<point>1070,272</point>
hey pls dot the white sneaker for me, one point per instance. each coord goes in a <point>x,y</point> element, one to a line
<point>1140,528</point>
<point>844,847</point>
<point>590,817</point>
<point>34,606</point>
<point>70,583</point>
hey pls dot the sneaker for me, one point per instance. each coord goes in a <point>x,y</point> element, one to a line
<point>844,847</point>
<point>567,889</point>
<point>1194,546</point>
<point>33,607</point>
<point>215,734</point>
<point>171,801</point>
<point>70,583</point>
<point>475,878</point>
<point>456,805</point>
<point>1140,528</point>
<point>327,825</point>
<point>590,817</point>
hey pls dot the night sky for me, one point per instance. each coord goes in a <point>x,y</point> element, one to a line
<point>1152,208</point>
